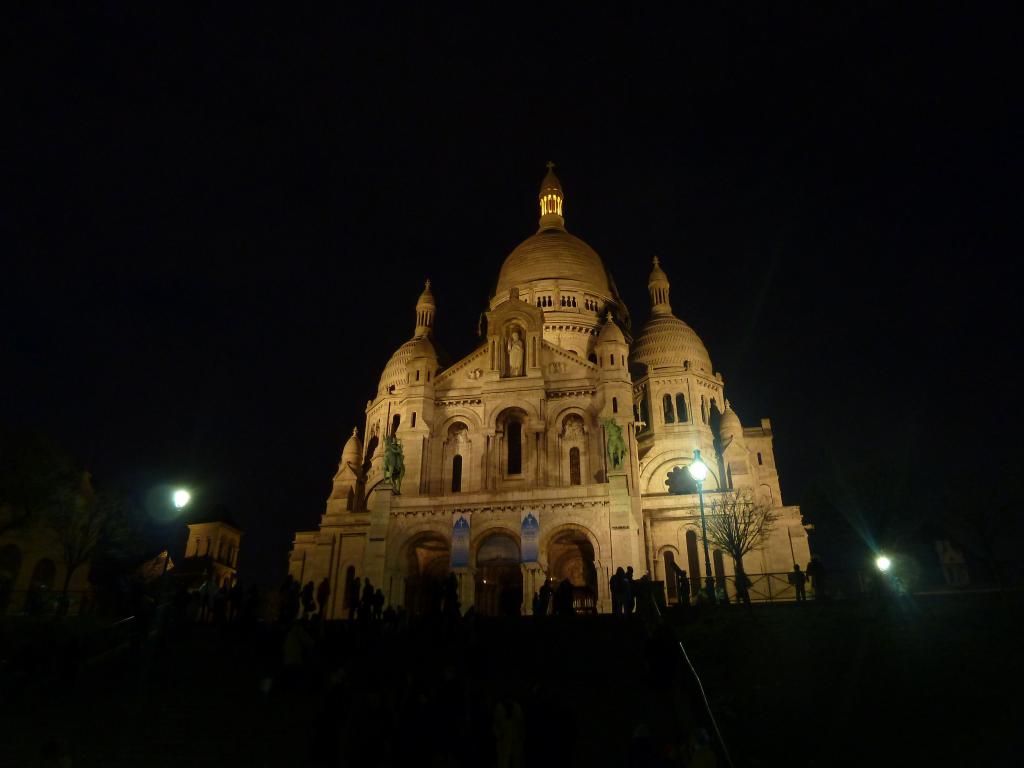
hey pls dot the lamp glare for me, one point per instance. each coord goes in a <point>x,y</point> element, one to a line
<point>883,563</point>
<point>181,498</point>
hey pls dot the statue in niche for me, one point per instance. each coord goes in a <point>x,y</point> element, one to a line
<point>516,354</point>
<point>573,428</point>
<point>394,462</point>
<point>616,444</point>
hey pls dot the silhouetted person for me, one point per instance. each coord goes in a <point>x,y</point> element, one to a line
<point>308,603</point>
<point>682,587</point>
<point>366,604</point>
<point>629,593</point>
<point>236,596</point>
<point>451,596</point>
<point>563,598</point>
<point>378,605</point>
<point>284,594</point>
<point>323,592</point>
<point>816,573</point>
<point>535,604</point>
<point>797,578</point>
<point>206,595</point>
<point>220,605</point>
<point>617,586</point>
<point>251,606</point>
<point>353,598</point>
<point>742,587</point>
<point>545,597</point>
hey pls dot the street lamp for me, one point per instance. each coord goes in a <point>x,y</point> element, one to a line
<point>180,498</point>
<point>883,563</point>
<point>699,471</point>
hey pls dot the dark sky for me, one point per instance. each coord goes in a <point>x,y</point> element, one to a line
<point>218,220</point>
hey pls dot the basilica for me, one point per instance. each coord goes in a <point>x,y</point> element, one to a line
<point>557,449</point>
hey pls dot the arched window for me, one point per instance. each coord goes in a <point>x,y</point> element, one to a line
<point>703,410</point>
<point>350,575</point>
<point>760,460</point>
<point>457,474</point>
<point>693,559</point>
<point>417,375</point>
<point>670,416</point>
<point>514,437</point>
<point>574,466</point>
<point>671,584</point>
<point>615,405</point>
<point>413,424</point>
<point>350,500</point>
<point>681,408</point>
<point>395,422</point>
<point>728,476</point>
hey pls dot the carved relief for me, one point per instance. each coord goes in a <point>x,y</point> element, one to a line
<point>572,428</point>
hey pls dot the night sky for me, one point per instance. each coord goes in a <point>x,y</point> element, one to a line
<point>218,220</point>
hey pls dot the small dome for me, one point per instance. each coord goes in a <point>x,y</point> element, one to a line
<point>395,373</point>
<point>554,254</point>
<point>551,182</point>
<point>353,451</point>
<point>426,298</point>
<point>665,341</point>
<point>729,426</point>
<point>610,332</point>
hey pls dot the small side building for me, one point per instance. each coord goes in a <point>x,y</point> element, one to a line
<point>210,551</point>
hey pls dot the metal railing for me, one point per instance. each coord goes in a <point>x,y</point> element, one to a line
<point>774,588</point>
<point>45,602</point>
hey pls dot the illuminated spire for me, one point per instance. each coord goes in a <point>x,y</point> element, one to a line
<point>657,284</point>
<point>425,309</point>
<point>551,199</point>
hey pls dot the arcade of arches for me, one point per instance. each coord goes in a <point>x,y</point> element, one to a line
<point>557,447</point>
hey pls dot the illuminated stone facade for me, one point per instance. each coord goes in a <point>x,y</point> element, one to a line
<point>510,453</point>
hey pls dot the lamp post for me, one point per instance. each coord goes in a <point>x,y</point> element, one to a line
<point>180,498</point>
<point>699,471</point>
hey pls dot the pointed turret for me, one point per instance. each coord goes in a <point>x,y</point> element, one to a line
<point>658,285</point>
<point>353,450</point>
<point>425,308</point>
<point>551,199</point>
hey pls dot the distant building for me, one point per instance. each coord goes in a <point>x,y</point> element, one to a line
<point>556,449</point>
<point>210,551</point>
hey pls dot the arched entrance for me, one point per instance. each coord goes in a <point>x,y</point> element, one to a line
<point>499,578</point>
<point>571,556</point>
<point>426,566</point>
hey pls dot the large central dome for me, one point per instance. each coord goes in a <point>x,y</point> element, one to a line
<point>554,254</point>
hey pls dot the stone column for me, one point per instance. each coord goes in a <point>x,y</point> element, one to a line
<point>604,597</point>
<point>533,580</point>
<point>379,506</point>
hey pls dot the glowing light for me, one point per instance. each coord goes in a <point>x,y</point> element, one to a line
<point>181,497</point>
<point>698,469</point>
<point>883,563</point>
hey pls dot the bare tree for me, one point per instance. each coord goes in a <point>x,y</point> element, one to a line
<point>737,525</point>
<point>33,471</point>
<point>82,523</point>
